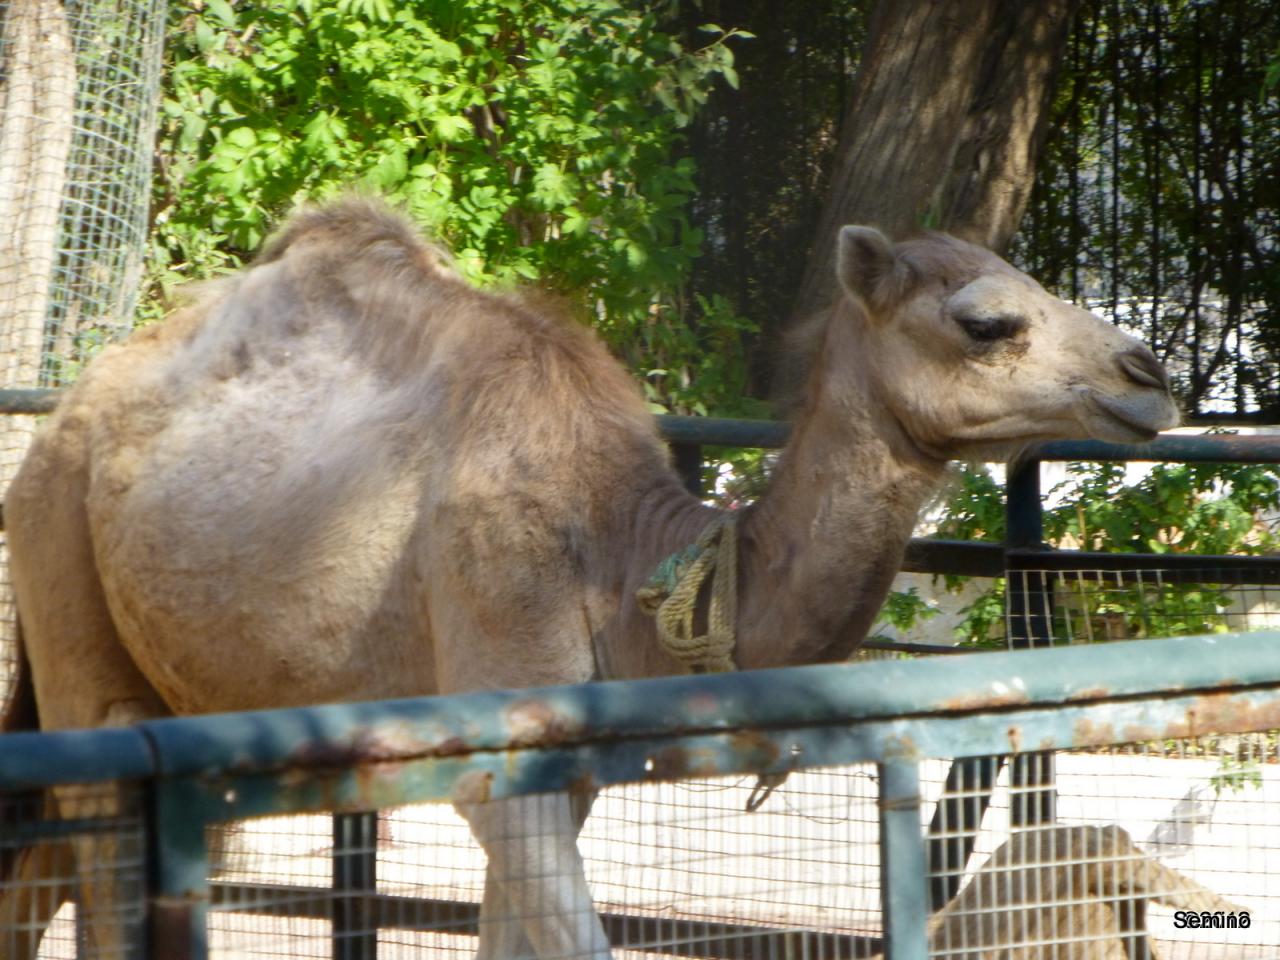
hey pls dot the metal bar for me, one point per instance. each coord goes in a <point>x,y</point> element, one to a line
<point>1131,918</point>
<point>1247,418</point>
<point>329,736</point>
<point>723,432</point>
<point>687,459</point>
<point>178,871</point>
<point>904,646</point>
<point>1033,790</point>
<point>956,821</point>
<point>1174,568</point>
<point>1024,522</point>
<point>681,938</point>
<point>596,734</point>
<point>681,755</point>
<point>1219,448</point>
<point>38,831</point>
<point>355,879</point>
<point>28,401</point>
<point>965,558</point>
<point>36,760</point>
<point>902,862</point>
<point>773,433</point>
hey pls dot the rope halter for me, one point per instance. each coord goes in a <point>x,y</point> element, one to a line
<point>671,597</point>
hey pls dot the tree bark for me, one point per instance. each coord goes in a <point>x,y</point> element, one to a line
<point>37,113</point>
<point>38,98</point>
<point>945,123</point>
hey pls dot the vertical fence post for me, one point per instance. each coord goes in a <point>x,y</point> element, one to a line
<point>355,880</point>
<point>1032,779</point>
<point>902,862</point>
<point>178,872</point>
<point>971,780</point>
<point>957,819</point>
<point>688,463</point>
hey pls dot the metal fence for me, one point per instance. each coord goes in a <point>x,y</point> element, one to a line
<point>844,873</point>
<point>1081,801</point>
<point>79,90</point>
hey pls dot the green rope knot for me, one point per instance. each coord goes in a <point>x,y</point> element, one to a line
<point>666,578</point>
<point>670,596</point>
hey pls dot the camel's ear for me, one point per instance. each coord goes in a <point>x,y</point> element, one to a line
<point>867,266</point>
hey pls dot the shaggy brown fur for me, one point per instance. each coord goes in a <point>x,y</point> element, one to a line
<point>346,475</point>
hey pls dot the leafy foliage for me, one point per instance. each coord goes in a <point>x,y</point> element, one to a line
<point>1184,508</point>
<point>1236,775</point>
<point>539,140</point>
<point>1191,508</point>
<point>905,608</point>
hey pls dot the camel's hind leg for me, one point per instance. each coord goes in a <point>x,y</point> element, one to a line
<point>31,896</point>
<point>105,870</point>
<point>83,676</point>
<point>35,880</point>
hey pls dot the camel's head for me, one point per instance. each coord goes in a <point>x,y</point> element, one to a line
<point>975,359</point>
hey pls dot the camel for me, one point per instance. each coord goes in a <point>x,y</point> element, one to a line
<point>1055,893</point>
<point>344,474</point>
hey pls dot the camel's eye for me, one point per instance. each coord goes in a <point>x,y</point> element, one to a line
<point>988,329</point>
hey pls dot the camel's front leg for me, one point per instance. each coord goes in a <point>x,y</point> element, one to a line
<point>536,900</point>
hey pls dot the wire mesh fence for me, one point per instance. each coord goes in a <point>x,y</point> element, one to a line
<point>80,87</point>
<point>680,868</point>
<point>73,883</point>
<point>1148,835</point>
<point>1100,605</point>
<point>1145,836</point>
<point>1142,832</point>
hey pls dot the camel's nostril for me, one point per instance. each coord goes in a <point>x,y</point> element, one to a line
<point>1141,366</point>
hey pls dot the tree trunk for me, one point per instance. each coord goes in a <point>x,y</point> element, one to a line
<point>37,112</point>
<point>38,99</point>
<point>946,120</point>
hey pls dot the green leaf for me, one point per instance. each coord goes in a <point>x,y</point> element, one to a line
<point>206,37</point>
<point>242,137</point>
<point>452,129</point>
<point>222,11</point>
<point>392,168</point>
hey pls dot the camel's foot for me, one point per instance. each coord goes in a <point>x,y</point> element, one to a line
<point>537,904</point>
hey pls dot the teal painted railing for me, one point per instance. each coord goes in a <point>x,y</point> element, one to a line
<point>204,770</point>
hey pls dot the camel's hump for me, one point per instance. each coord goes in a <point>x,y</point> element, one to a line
<point>358,226</point>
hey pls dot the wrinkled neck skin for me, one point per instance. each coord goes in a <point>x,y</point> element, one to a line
<point>817,553</point>
<point>821,548</point>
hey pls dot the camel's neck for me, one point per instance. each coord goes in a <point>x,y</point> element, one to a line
<point>819,551</point>
<point>816,554</point>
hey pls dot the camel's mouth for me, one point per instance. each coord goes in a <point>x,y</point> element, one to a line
<point>1131,420</point>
